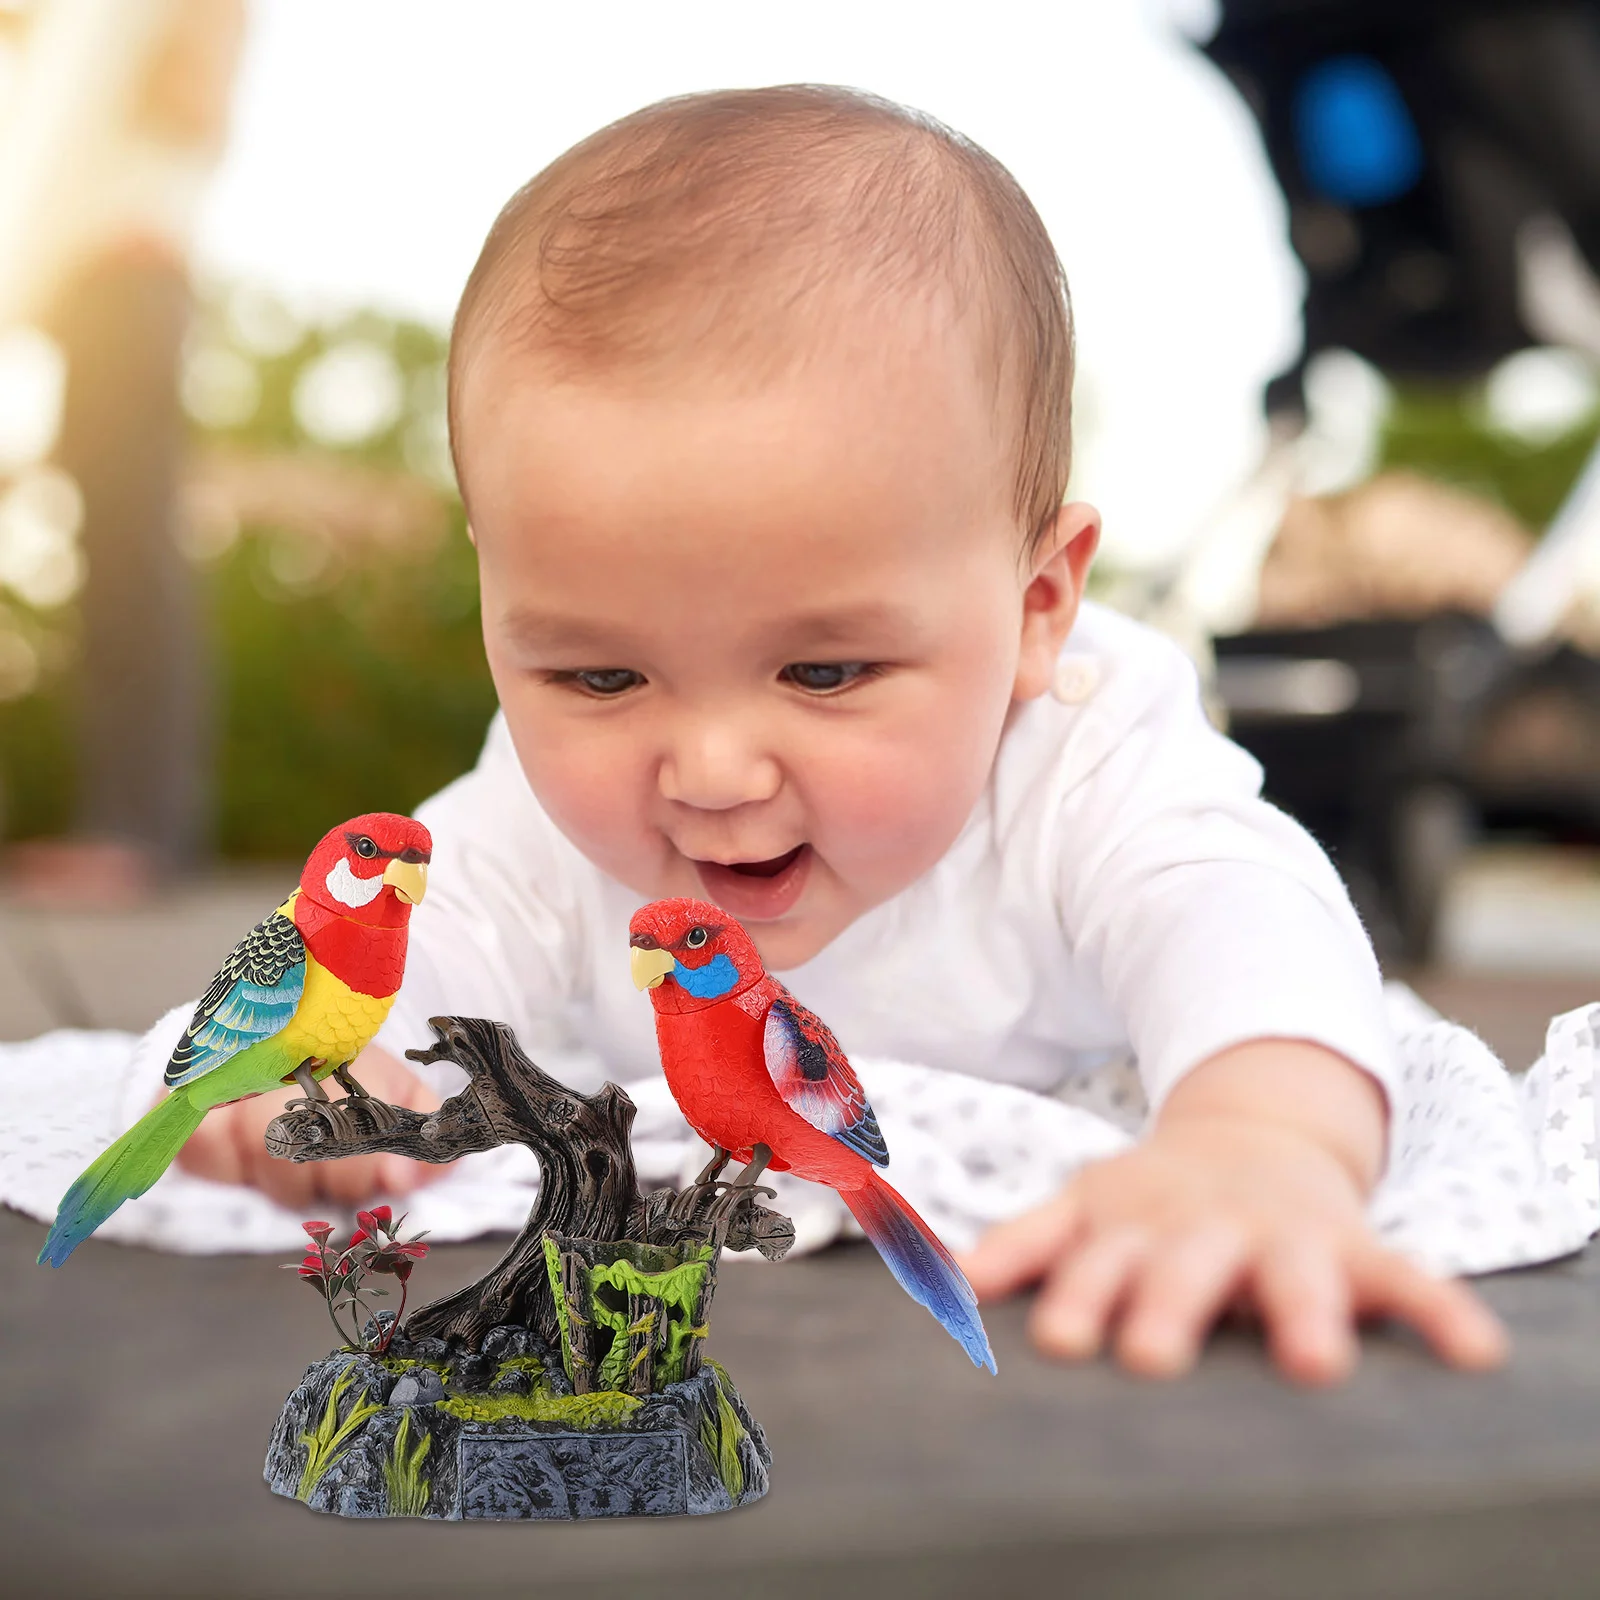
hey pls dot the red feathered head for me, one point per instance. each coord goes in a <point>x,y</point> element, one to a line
<point>690,954</point>
<point>371,869</point>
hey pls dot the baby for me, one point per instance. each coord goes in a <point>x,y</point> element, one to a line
<point>760,409</point>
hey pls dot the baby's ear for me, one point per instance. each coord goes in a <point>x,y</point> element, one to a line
<point>1058,567</point>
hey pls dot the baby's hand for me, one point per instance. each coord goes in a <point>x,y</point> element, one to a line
<point>1216,1207</point>
<point>228,1146</point>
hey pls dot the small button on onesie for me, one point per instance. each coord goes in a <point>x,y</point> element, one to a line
<point>1077,677</point>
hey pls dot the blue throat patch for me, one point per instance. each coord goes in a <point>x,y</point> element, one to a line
<point>716,977</point>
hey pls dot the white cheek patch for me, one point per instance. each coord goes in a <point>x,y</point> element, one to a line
<point>350,890</point>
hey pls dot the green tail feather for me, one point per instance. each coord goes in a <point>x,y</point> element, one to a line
<point>127,1169</point>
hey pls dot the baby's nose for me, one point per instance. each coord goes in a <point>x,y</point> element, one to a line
<point>715,766</point>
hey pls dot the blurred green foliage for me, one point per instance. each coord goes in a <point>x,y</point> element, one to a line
<point>365,698</point>
<point>38,765</point>
<point>344,679</point>
<point>1442,432</point>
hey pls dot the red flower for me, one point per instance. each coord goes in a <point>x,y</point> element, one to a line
<point>397,1258</point>
<point>339,1275</point>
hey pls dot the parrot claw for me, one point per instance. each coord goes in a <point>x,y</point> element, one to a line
<point>723,1187</point>
<point>725,1205</point>
<point>352,1089</point>
<point>380,1113</point>
<point>350,1119</point>
<point>315,1094</point>
<point>369,1108</point>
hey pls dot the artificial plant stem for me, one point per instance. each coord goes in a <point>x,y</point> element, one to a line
<point>327,1300</point>
<point>394,1327</point>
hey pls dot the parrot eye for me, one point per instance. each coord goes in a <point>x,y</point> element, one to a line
<point>696,937</point>
<point>365,848</point>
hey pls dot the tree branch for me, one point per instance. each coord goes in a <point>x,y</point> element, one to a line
<point>588,1188</point>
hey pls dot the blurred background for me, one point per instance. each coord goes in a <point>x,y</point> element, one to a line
<point>1334,265</point>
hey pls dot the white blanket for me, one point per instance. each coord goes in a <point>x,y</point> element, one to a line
<point>1487,1170</point>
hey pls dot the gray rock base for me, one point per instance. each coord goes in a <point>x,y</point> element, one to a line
<point>689,1450</point>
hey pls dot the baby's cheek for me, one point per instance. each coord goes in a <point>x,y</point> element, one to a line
<point>899,789</point>
<point>597,806</point>
<point>889,813</point>
<point>590,783</point>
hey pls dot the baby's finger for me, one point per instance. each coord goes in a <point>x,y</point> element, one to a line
<point>1303,1293</point>
<point>1069,1319</point>
<point>1182,1291</point>
<point>1464,1331</point>
<point>211,1151</point>
<point>1021,1251</point>
<point>287,1182</point>
<point>351,1180</point>
<point>291,1183</point>
<point>399,1175</point>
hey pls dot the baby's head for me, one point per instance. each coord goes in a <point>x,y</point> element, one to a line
<point>760,408</point>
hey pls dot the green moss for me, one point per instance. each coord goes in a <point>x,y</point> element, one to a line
<point>604,1409</point>
<point>532,1367</point>
<point>653,1273</point>
<point>327,1445</point>
<point>721,1435</point>
<point>678,1289</point>
<point>552,1267</point>
<point>407,1489</point>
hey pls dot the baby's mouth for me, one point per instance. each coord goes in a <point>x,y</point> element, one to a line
<point>758,891</point>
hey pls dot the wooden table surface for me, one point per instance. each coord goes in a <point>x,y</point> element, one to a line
<point>140,1390</point>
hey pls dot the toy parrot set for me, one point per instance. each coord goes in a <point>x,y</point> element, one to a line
<point>570,1381</point>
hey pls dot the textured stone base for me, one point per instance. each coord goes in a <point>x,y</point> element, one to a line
<point>562,1475</point>
<point>360,1437</point>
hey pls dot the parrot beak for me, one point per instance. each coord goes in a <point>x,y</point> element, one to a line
<point>650,967</point>
<point>408,879</point>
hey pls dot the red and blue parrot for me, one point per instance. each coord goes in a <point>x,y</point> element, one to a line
<point>763,1081</point>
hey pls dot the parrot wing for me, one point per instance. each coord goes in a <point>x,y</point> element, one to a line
<point>252,997</point>
<point>816,1079</point>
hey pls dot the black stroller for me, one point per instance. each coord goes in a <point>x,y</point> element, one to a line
<point>1417,143</point>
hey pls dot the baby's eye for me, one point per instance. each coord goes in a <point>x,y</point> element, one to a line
<point>603,680</point>
<point>824,677</point>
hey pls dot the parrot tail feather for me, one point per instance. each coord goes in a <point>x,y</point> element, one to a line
<point>127,1169</point>
<point>925,1269</point>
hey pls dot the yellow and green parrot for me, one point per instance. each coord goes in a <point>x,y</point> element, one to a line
<point>301,995</point>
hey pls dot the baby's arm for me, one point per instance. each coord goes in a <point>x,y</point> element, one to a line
<point>1251,1186</point>
<point>1209,918</point>
<point>228,1146</point>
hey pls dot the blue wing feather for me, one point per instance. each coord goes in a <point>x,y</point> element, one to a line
<point>253,996</point>
<point>815,1078</point>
